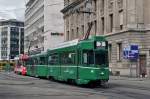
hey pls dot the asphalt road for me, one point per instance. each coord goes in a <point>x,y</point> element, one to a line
<point>14,86</point>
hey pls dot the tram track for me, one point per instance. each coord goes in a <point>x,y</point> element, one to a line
<point>9,79</point>
<point>111,85</point>
<point>131,91</point>
<point>125,93</point>
<point>115,91</point>
<point>36,95</point>
<point>129,86</point>
<point>87,91</point>
<point>12,76</point>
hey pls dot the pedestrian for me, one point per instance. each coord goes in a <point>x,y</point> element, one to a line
<point>143,73</point>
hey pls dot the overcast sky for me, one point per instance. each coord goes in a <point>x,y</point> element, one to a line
<point>12,9</point>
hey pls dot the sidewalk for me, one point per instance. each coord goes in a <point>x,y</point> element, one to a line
<point>128,78</point>
<point>130,82</point>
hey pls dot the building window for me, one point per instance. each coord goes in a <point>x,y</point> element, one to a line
<point>95,5</point>
<point>5,29</point>
<point>102,6</point>
<point>103,25</point>
<point>67,35</point>
<point>120,4</point>
<point>72,37</point>
<point>82,30</point>
<point>111,22</point>
<point>121,19</point>
<point>22,30</point>
<point>110,52</point>
<point>77,34</point>
<point>119,51</point>
<point>95,25</point>
<point>14,29</point>
<point>42,29</point>
<point>110,5</point>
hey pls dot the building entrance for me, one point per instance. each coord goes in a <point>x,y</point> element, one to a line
<point>142,65</point>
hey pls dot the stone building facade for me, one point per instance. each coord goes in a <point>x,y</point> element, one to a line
<point>123,22</point>
<point>34,26</point>
<point>43,25</point>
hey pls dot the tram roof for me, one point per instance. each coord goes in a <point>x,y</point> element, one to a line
<point>41,54</point>
<point>66,44</point>
<point>83,44</point>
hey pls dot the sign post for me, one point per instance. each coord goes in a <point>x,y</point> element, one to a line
<point>131,53</point>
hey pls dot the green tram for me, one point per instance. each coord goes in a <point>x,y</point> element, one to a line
<point>80,62</point>
<point>37,65</point>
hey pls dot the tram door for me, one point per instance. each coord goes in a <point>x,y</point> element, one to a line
<point>142,65</point>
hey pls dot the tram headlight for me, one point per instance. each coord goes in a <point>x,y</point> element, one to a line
<point>102,73</point>
<point>92,71</point>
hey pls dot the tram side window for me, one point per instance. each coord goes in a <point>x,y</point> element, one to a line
<point>88,58</point>
<point>42,61</point>
<point>85,58</point>
<point>53,59</point>
<point>34,61</point>
<point>68,59</point>
<point>29,62</point>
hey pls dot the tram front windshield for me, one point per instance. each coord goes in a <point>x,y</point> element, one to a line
<point>95,58</point>
<point>100,58</point>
